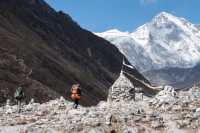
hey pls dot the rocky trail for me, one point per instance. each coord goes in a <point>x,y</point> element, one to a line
<point>168,112</point>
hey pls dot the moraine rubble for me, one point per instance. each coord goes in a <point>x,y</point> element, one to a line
<point>168,111</point>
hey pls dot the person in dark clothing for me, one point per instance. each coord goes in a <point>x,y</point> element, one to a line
<point>76,103</point>
<point>76,94</point>
<point>19,96</point>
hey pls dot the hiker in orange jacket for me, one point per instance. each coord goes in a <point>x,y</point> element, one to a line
<point>76,94</point>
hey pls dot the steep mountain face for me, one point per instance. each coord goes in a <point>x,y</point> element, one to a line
<point>170,76</point>
<point>180,77</point>
<point>46,52</point>
<point>198,26</point>
<point>163,43</point>
<point>193,76</point>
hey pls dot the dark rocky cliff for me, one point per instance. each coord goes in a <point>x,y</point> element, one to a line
<point>46,52</point>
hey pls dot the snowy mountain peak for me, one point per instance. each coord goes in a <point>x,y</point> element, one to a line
<point>164,15</point>
<point>168,21</point>
<point>113,32</point>
<point>166,41</point>
<point>163,18</point>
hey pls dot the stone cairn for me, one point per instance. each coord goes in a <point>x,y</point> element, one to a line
<point>122,90</point>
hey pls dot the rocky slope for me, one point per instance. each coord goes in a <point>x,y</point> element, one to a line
<point>46,52</point>
<point>179,77</point>
<point>165,43</point>
<point>171,76</point>
<point>13,72</point>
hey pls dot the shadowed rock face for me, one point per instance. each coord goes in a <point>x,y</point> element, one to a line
<point>55,52</point>
<point>14,72</point>
<point>183,78</point>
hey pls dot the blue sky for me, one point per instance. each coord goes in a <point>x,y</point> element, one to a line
<point>125,15</point>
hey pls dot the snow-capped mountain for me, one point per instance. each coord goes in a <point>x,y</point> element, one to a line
<point>164,42</point>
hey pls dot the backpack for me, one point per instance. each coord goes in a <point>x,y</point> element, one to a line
<point>19,93</point>
<point>75,94</point>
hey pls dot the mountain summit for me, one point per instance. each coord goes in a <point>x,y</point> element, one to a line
<point>165,41</point>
